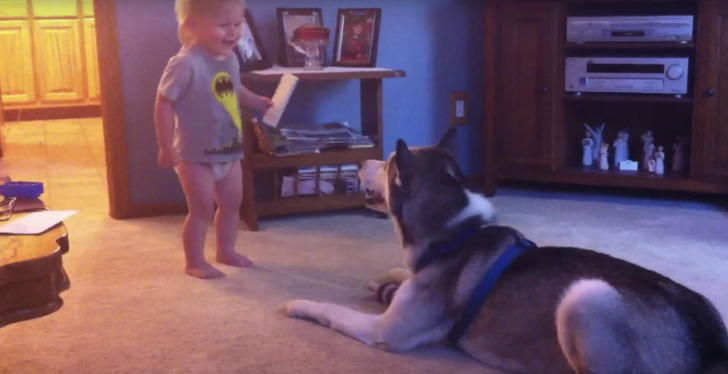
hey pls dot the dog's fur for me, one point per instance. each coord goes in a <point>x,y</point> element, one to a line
<point>554,310</point>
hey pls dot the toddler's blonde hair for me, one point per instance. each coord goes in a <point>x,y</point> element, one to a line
<point>184,9</point>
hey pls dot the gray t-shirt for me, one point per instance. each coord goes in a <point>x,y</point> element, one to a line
<point>205,91</point>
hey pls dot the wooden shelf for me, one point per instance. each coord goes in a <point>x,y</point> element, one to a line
<point>328,73</point>
<point>346,156</point>
<point>552,127</point>
<point>372,123</point>
<point>309,204</point>
<point>615,174</point>
<point>593,176</point>
<point>638,98</point>
<point>630,45</point>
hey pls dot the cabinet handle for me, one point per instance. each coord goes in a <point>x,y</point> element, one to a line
<point>544,89</point>
<point>710,92</point>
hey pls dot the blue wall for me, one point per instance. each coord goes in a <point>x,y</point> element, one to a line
<point>439,43</point>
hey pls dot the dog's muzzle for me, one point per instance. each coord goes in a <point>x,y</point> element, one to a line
<point>373,179</point>
<point>373,197</point>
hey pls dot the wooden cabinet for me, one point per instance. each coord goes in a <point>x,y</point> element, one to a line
<point>711,99</point>
<point>87,8</point>
<point>526,42</point>
<point>16,64</point>
<point>48,58</point>
<point>58,64</point>
<point>13,9</point>
<point>54,8</point>
<point>534,128</point>
<point>92,66</point>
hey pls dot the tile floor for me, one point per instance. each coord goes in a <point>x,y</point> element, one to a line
<point>66,155</point>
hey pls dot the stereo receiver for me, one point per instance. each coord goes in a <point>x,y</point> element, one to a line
<point>647,75</point>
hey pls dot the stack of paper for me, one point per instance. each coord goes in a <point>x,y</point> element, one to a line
<point>36,223</point>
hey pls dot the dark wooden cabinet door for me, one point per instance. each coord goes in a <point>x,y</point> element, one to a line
<point>710,133</point>
<point>526,88</point>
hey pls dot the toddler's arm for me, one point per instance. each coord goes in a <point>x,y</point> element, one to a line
<point>174,84</point>
<point>252,100</point>
<point>164,125</point>
<point>164,121</point>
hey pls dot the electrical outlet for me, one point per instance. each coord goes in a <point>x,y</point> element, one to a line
<point>458,108</point>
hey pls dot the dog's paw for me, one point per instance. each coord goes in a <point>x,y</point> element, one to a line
<point>399,274</point>
<point>300,308</point>
<point>395,276</point>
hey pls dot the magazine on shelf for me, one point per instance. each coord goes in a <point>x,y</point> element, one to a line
<point>295,139</point>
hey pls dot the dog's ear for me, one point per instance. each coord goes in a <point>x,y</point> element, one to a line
<point>404,160</point>
<point>448,141</point>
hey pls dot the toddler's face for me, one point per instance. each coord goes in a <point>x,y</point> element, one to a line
<point>220,30</point>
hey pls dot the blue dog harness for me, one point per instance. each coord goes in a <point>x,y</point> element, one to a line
<point>485,286</point>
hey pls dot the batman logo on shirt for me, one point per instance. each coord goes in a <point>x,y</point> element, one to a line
<point>224,90</point>
<point>223,86</point>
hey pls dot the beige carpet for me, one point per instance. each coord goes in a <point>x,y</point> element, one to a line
<point>131,309</point>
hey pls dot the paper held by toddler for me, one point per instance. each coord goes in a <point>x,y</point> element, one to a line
<point>280,99</point>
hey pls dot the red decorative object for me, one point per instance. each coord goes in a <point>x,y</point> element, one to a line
<point>310,38</point>
<point>311,33</point>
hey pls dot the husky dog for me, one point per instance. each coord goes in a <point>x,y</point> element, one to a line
<point>551,310</point>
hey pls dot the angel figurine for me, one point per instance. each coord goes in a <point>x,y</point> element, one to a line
<point>678,156</point>
<point>621,152</point>
<point>587,144</point>
<point>604,155</point>
<point>659,161</point>
<point>596,133</point>
<point>648,151</point>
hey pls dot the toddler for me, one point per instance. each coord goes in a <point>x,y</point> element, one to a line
<point>199,129</point>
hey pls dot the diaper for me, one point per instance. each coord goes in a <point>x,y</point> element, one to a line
<point>220,170</point>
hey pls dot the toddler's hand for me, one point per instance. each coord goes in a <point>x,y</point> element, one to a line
<point>166,158</point>
<point>263,104</point>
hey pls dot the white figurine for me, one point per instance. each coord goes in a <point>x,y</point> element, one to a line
<point>678,157</point>
<point>604,154</point>
<point>648,151</point>
<point>587,144</point>
<point>597,136</point>
<point>659,161</point>
<point>621,151</point>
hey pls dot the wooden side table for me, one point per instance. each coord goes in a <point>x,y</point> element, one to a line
<point>32,274</point>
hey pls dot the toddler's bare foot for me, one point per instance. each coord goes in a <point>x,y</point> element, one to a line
<point>234,259</point>
<point>204,271</point>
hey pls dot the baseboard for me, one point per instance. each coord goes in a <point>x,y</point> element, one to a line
<point>166,209</point>
<point>51,113</point>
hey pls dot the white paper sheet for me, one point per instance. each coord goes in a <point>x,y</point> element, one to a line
<point>326,70</point>
<point>36,223</point>
<point>280,99</point>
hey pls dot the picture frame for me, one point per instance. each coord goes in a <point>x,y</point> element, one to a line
<point>289,19</point>
<point>250,51</point>
<point>357,37</point>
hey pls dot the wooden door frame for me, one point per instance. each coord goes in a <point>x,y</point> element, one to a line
<point>112,109</point>
<point>2,123</point>
<point>114,121</point>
